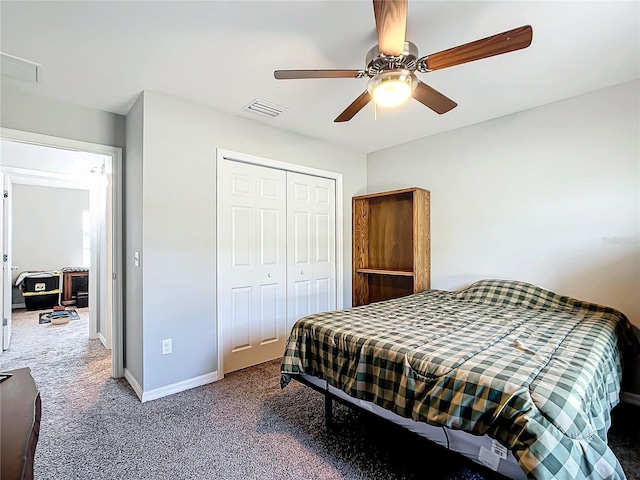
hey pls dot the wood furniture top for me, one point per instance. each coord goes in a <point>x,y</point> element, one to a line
<point>389,193</point>
<point>20,425</point>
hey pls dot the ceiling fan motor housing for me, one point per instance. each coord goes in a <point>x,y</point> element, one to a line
<point>392,64</point>
<point>379,62</point>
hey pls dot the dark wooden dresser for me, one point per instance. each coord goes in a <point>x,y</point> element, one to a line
<point>20,410</point>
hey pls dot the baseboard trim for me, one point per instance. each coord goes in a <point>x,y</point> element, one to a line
<point>160,392</point>
<point>102,340</point>
<point>172,388</point>
<point>134,383</point>
<point>631,398</point>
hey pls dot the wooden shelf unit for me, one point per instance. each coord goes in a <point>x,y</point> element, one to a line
<point>69,286</point>
<point>391,245</point>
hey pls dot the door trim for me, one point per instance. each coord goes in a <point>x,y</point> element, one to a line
<point>7,270</point>
<point>223,154</point>
<point>117,322</point>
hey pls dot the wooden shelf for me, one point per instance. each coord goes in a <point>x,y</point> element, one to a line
<point>379,271</point>
<point>390,232</point>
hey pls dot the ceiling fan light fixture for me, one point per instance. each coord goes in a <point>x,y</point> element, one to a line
<point>392,88</point>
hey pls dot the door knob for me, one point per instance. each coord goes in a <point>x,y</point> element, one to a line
<point>301,272</point>
<point>269,275</point>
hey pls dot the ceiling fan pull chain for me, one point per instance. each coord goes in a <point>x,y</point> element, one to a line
<point>375,111</point>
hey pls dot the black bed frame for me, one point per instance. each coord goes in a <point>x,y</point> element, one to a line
<point>328,400</point>
<point>329,423</point>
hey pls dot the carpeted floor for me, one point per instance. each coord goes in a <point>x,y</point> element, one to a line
<point>242,427</point>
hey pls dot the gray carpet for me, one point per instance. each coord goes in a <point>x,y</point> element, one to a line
<point>244,426</point>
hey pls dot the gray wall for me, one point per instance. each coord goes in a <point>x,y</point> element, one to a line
<point>179,223</point>
<point>34,113</point>
<point>47,227</point>
<point>549,196</point>
<point>24,111</point>
<point>133,241</point>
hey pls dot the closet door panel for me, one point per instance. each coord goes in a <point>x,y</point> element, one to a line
<point>252,270</point>
<point>302,237</point>
<point>276,258</point>
<point>311,241</point>
<point>323,295</point>
<point>269,237</point>
<point>240,316</point>
<point>241,226</point>
<point>269,313</point>
<point>301,298</point>
<point>323,240</point>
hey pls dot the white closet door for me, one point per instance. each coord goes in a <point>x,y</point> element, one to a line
<point>311,248</point>
<point>252,270</point>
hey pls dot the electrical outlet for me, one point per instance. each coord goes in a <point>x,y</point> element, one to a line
<point>166,346</point>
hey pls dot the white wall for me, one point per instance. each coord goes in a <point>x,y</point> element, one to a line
<point>133,241</point>
<point>550,196</point>
<point>21,110</point>
<point>179,223</point>
<point>47,227</point>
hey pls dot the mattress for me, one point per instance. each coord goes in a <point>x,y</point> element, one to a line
<point>533,370</point>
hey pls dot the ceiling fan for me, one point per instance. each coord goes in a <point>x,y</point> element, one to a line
<point>392,64</point>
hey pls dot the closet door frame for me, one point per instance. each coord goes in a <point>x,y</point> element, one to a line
<point>223,154</point>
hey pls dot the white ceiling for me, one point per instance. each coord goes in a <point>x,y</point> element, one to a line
<point>222,54</point>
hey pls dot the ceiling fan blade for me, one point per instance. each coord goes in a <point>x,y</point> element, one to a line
<point>357,105</point>
<point>504,42</point>
<point>433,98</point>
<point>391,24</point>
<point>295,74</point>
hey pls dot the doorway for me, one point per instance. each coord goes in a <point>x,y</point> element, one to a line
<point>31,161</point>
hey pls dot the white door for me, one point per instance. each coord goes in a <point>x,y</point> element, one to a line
<point>99,277</point>
<point>6,264</point>
<point>311,270</point>
<point>252,270</point>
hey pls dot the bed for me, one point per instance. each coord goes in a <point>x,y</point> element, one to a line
<point>501,362</point>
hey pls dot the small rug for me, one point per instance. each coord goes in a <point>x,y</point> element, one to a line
<point>46,317</point>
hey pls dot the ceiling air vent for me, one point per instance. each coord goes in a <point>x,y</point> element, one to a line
<point>264,108</point>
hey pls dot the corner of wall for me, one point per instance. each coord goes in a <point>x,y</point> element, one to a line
<point>133,235</point>
<point>177,387</point>
<point>134,383</point>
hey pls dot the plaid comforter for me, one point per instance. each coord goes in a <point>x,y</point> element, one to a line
<point>534,370</point>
